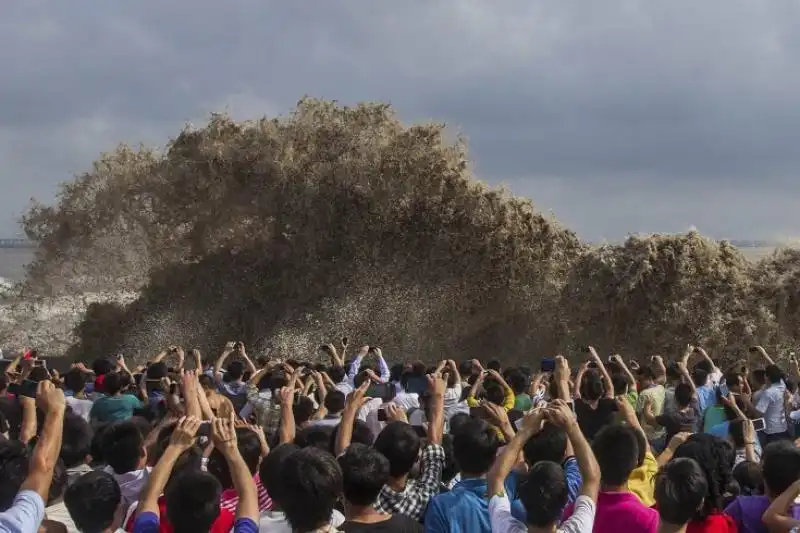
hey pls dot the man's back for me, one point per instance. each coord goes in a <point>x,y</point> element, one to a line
<point>465,509</point>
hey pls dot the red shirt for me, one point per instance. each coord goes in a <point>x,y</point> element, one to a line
<point>714,523</point>
<point>223,523</point>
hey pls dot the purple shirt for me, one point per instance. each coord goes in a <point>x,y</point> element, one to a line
<point>746,512</point>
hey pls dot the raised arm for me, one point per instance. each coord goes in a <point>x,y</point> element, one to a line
<point>603,372</point>
<point>198,361</point>
<point>355,401</point>
<point>181,440</point>
<point>190,386</point>
<point>436,386</point>
<point>660,367</point>
<point>625,370</point>
<point>386,374</point>
<point>45,455</point>
<point>287,429</point>
<point>223,433</point>
<point>221,360</point>
<point>559,413</point>
<point>336,360</point>
<point>763,353</point>
<point>704,355</point>
<point>775,517</point>
<point>531,424</point>
<point>629,415</point>
<point>453,367</point>
<point>576,389</point>
<point>355,366</point>
<point>684,370</point>
<point>562,378</point>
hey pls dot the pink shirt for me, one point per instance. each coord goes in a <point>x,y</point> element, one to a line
<point>621,512</point>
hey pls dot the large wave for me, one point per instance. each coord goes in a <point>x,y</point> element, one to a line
<point>286,232</point>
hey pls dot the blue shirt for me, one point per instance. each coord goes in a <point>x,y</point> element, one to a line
<point>574,482</point>
<point>148,523</point>
<point>465,509</point>
<point>25,515</point>
<point>706,397</point>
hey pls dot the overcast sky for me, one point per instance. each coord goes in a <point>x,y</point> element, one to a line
<point>618,116</point>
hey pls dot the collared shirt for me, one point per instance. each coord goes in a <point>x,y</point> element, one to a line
<point>465,508</point>
<point>414,498</point>
<point>268,412</point>
<point>770,403</point>
<point>25,515</point>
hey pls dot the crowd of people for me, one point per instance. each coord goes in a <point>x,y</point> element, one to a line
<point>354,445</point>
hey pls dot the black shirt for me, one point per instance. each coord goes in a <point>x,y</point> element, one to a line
<point>592,420</point>
<point>396,524</point>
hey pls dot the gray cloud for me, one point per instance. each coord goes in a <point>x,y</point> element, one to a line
<point>619,116</point>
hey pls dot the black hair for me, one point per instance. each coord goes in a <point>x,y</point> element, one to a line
<point>705,366</point>
<point>715,456</point>
<point>337,373</point>
<point>544,493</point>
<point>92,501</point>
<point>314,435</point>
<point>334,402</point>
<point>699,377</point>
<point>235,370</point>
<point>494,392</point>
<point>680,489</point>
<point>620,382</point>
<point>123,447</point>
<point>673,372</point>
<point>157,370</point>
<point>193,502</point>
<point>249,446</point>
<point>75,380</point>
<point>774,373</point>
<point>517,381</point>
<point>732,378</point>
<point>458,421</point>
<point>616,448</point>
<point>270,470</point>
<point>749,478</point>
<point>98,443</point>
<point>112,384</point>
<point>760,376</point>
<point>475,447</point>
<point>206,381</point>
<point>311,485</point>
<point>364,472</point>
<point>399,443</point>
<point>465,369</point>
<point>360,378</point>
<point>362,434</point>
<point>549,444</point>
<point>76,443</point>
<point>780,466</point>
<point>683,395</point>
<point>14,460</point>
<point>303,409</point>
<point>493,364</point>
<point>592,386</point>
<point>450,466</point>
<point>102,366</point>
<point>646,372</point>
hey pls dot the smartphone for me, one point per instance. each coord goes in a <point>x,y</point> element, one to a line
<point>591,364</point>
<point>28,388</point>
<point>382,415</point>
<point>723,389</point>
<point>548,365</point>
<point>39,362</point>
<point>758,424</point>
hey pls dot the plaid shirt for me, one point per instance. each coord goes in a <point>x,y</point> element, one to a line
<point>268,412</point>
<point>413,500</point>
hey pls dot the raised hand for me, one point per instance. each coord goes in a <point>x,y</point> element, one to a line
<point>185,432</point>
<point>223,433</point>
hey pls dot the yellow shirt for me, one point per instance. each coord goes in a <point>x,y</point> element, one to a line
<point>642,480</point>
<point>508,405</point>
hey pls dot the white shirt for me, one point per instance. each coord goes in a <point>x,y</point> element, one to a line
<point>330,422</point>
<point>406,400</point>
<point>79,407</point>
<point>59,513</point>
<point>344,387</point>
<point>276,522</point>
<point>770,402</point>
<point>369,414</point>
<point>581,521</point>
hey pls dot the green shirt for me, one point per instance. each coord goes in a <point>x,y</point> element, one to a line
<point>522,402</point>
<point>114,408</point>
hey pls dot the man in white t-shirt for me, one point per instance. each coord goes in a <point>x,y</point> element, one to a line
<point>770,405</point>
<point>544,513</point>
